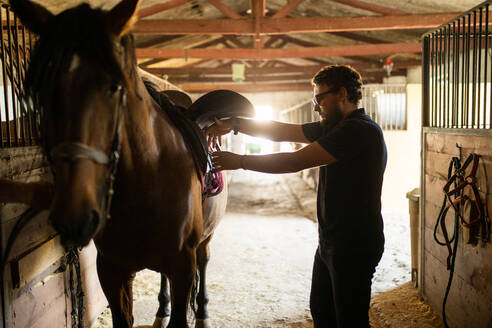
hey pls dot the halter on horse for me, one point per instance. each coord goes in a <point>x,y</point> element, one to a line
<point>101,127</point>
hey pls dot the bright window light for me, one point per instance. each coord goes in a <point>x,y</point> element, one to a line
<point>264,113</point>
<point>260,145</point>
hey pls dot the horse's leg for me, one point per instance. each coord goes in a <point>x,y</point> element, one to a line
<point>181,280</point>
<point>203,255</point>
<point>117,286</point>
<point>162,316</point>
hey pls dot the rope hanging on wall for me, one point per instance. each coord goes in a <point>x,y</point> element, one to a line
<point>475,220</point>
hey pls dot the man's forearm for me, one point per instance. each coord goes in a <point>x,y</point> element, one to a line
<point>272,163</point>
<point>272,130</point>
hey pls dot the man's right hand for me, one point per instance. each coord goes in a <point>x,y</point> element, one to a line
<point>215,131</point>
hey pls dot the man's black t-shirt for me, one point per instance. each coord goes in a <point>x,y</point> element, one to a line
<point>349,190</point>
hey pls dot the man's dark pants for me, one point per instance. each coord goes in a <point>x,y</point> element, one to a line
<point>341,289</point>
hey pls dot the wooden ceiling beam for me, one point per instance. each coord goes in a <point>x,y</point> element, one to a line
<point>245,87</point>
<point>371,7</point>
<point>258,8</point>
<point>272,26</point>
<point>300,77</point>
<point>358,37</point>
<point>255,54</point>
<point>157,40</point>
<point>224,9</point>
<point>272,39</point>
<point>287,9</point>
<point>151,10</point>
<point>311,69</point>
<point>250,78</point>
<point>235,41</point>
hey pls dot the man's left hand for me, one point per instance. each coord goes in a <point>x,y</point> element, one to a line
<point>224,160</point>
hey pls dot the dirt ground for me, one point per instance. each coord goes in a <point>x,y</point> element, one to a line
<point>260,268</point>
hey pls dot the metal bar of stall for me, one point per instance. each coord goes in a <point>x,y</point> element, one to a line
<point>463,41</point>
<point>35,126</point>
<point>12,79</point>
<point>479,71</point>
<point>433,106</point>
<point>5,85</point>
<point>455,77</point>
<point>21,114</point>
<point>447,107</point>
<point>443,77</point>
<point>426,108</point>
<point>3,78</point>
<point>487,103</point>
<point>439,76</point>
<point>28,111</point>
<point>474,71</point>
<point>467,76</point>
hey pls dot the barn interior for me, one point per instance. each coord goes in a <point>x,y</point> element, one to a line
<point>268,51</point>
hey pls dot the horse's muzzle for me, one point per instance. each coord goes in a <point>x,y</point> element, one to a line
<point>79,232</point>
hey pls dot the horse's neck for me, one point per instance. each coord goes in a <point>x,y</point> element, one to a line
<point>148,130</point>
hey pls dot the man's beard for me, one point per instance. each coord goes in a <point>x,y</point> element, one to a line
<point>332,118</point>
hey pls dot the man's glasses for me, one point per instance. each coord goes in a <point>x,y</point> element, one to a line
<point>317,98</point>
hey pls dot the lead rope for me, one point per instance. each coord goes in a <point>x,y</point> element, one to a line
<point>76,294</point>
<point>455,161</point>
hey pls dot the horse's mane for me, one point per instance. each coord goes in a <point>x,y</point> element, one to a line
<point>81,30</point>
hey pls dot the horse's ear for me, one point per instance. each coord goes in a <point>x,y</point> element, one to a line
<point>32,15</point>
<point>122,17</point>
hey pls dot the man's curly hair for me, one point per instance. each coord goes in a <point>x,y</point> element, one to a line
<point>338,76</point>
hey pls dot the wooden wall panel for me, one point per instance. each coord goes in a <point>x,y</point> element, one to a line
<point>42,306</point>
<point>470,299</point>
<point>40,299</point>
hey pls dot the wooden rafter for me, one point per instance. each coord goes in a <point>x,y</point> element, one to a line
<point>349,50</point>
<point>358,37</point>
<point>258,8</point>
<point>160,7</point>
<point>235,41</point>
<point>224,9</point>
<point>203,45</point>
<point>272,70</point>
<point>299,77</point>
<point>371,7</point>
<point>304,43</point>
<point>290,25</point>
<point>271,41</point>
<point>157,40</point>
<point>287,9</point>
<point>246,87</point>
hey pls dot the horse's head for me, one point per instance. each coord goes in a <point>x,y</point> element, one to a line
<point>77,80</point>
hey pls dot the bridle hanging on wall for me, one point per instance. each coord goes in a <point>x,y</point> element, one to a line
<point>476,222</point>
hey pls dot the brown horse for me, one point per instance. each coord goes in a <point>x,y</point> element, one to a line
<point>102,132</point>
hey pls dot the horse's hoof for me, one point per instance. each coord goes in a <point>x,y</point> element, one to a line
<point>202,323</point>
<point>160,322</point>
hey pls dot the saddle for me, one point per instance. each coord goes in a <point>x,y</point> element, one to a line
<point>191,118</point>
<point>475,220</point>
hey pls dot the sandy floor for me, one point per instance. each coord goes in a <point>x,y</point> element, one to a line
<point>261,258</point>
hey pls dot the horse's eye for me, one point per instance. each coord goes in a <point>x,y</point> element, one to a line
<point>113,88</point>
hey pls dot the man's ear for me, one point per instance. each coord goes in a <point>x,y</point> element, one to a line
<point>342,94</point>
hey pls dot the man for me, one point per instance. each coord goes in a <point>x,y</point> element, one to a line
<point>349,149</point>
